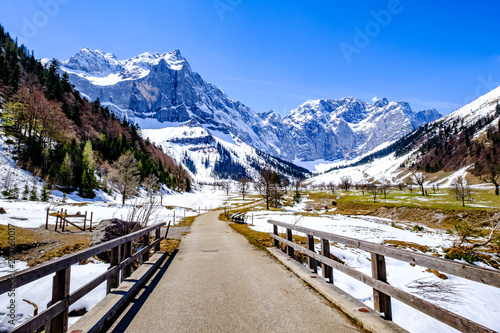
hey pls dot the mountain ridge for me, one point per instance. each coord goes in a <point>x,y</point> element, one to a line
<point>162,86</point>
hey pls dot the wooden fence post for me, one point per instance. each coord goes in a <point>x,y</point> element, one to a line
<point>325,251</point>
<point>145,242</point>
<point>47,220</point>
<point>157,236</point>
<point>381,301</point>
<point>91,216</point>
<point>57,220</point>
<point>60,291</point>
<point>127,252</point>
<point>290,239</point>
<point>313,265</point>
<point>275,231</point>
<point>85,221</point>
<point>114,280</point>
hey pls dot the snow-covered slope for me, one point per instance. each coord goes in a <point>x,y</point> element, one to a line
<point>209,154</point>
<point>160,90</point>
<point>388,162</point>
<point>350,127</point>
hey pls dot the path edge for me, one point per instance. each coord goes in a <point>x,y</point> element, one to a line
<point>370,320</point>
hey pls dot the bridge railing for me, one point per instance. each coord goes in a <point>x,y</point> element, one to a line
<point>121,259</point>
<point>382,291</point>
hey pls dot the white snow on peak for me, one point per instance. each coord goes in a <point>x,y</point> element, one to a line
<point>105,69</point>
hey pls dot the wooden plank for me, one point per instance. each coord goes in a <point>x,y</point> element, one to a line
<point>34,273</point>
<point>114,280</point>
<point>475,273</point>
<point>275,231</point>
<point>326,270</point>
<point>381,301</point>
<point>36,322</point>
<point>313,265</point>
<point>458,322</point>
<point>127,252</point>
<point>47,220</point>
<point>145,243</point>
<point>289,237</point>
<point>60,291</point>
<point>157,236</point>
<point>73,224</point>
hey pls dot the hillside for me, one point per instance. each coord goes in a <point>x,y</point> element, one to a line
<point>69,142</point>
<point>159,90</point>
<point>464,142</point>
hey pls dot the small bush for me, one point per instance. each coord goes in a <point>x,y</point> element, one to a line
<point>417,228</point>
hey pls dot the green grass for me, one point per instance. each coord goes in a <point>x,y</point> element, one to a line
<point>442,199</point>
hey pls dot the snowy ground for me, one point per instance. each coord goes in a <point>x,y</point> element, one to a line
<point>472,300</point>
<point>31,214</point>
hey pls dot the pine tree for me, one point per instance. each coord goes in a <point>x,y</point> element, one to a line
<point>15,77</point>
<point>67,171</point>
<point>89,182</point>
<point>45,194</point>
<point>34,194</point>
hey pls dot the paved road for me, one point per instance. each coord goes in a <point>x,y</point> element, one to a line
<point>218,282</point>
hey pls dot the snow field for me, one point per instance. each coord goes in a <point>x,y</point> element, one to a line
<point>469,299</point>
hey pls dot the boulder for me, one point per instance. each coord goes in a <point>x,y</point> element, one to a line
<point>110,229</point>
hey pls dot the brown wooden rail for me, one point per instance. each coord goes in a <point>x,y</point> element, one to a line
<point>382,291</point>
<point>56,314</point>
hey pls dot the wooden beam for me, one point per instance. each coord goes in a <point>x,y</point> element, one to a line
<point>475,273</point>
<point>114,280</point>
<point>289,237</point>
<point>381,301</point>
<point>34,273</point>
<point>450,318</point>
<point>275,231</point>
<point>327,270</point>
<point>313,264</point>
<point>60,291</point>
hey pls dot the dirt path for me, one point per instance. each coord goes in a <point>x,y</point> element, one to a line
<point>218,282</point>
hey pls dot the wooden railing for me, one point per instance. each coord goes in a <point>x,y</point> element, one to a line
<point>56,315</point>
<point>382,291</point>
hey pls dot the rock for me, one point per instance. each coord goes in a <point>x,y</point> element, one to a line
<point>2,211</point>
<point>110,229</point>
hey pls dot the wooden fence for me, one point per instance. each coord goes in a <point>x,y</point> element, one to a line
<point>56,314</point>
<point>62,220</point>
<point>382,291</point>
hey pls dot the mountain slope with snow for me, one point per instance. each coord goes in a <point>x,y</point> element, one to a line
<point>439,145</point>
<point>160,90</point>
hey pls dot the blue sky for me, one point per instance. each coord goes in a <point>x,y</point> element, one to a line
<point>278,54</point>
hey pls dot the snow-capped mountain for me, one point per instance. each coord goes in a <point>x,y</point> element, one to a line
<point>349,127</point>
<point>394,162</point>
<point>161,88</point>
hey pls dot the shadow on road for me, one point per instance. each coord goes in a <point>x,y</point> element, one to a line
<point>130,312</point>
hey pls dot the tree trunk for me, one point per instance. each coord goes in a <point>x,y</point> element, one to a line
<point>497,189</point>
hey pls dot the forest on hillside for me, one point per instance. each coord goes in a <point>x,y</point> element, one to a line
<point>69,142</point>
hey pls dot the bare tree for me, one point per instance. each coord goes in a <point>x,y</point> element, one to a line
<point>492,176</point>
<point>263,185</point>
<point>125,175</point>
<point>331,187</point>
<point>419,178</point>
<point>243,185</point>
<point>384,186</point>
<point>462,190</point>
<point>226,186</point>
<point>151,186</point>
<point>373,189</point>
<point>345,183</point>
<point>269,187</point>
